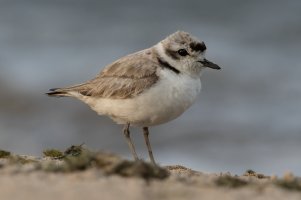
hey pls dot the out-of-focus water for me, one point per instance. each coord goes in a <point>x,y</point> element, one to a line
<point>247,116</point>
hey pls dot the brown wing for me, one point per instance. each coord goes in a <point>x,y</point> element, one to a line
<point>125,78</point>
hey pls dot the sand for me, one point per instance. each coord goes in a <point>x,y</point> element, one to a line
<point>80,174</point>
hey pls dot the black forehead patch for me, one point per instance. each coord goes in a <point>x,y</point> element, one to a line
<point>199,46</point>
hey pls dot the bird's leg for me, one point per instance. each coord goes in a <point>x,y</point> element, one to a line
<point>149,148</point>
<point>126,133</point>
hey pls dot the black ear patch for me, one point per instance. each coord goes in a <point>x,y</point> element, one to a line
<point>172,54</point>
<point>198,46</point>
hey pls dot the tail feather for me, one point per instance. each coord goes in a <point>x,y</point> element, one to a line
<point>68,91</point>
<point>57,92</point>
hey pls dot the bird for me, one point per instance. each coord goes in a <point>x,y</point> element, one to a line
<point>148,87</point>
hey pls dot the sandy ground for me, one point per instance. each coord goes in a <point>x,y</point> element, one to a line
<point>82,174</point>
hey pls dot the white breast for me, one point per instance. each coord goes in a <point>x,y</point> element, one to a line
<point>166,100</point>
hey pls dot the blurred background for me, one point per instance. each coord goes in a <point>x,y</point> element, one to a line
<point>248,115</point>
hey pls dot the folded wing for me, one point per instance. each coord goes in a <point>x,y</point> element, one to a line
<point>125,78</point>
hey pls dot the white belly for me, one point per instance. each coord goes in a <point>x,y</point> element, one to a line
<point>168,99</point>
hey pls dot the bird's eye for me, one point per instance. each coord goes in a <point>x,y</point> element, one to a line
<point>183,52</point>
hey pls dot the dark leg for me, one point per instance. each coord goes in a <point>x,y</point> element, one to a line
<point>126,133</point>
<point>149,148</point>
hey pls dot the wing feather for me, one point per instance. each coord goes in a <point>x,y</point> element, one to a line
<point>125,78</point>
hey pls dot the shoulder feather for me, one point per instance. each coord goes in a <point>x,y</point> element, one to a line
<point>125,78</point>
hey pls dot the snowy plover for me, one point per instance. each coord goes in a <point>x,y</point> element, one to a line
<point>146,88</point>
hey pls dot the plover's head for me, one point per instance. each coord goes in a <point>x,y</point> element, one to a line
<point>185,52</point>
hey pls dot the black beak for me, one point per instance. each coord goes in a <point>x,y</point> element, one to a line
<point>209,64</point>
